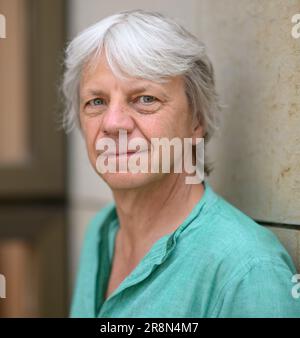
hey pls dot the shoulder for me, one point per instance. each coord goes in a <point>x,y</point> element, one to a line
<point>232,233</point>
<point>92,236</point>
<point>263,289</point>
<point>233,243</point>
<point>82,300</point>
<point>250,238</point>
<point>249,268</point>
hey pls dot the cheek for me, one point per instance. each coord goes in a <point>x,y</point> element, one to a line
<point>91,131</point>
<point>148,127</point>
<point>160,127</point>
<point>173,124</point>
<point>182,125</point>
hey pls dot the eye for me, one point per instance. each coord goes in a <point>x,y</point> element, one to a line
<point>96,102</point>
<point>147,104</point>
<point>147,99</point>
<point>94,107</point>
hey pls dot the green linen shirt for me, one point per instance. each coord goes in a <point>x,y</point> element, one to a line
<point>217,263</point>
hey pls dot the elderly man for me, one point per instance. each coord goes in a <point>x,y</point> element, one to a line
<point>164,248</point>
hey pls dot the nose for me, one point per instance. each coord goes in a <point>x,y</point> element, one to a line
<point>117,118</point>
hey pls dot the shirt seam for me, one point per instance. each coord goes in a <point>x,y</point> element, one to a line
<point>251,264</point>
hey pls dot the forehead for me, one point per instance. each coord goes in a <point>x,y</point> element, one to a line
<point>97,74</point>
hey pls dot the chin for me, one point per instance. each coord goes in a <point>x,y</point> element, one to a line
<point>117,181</point>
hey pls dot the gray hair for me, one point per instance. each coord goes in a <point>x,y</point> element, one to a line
<point>145,45</point>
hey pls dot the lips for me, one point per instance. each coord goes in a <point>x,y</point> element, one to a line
<point>129,153</point>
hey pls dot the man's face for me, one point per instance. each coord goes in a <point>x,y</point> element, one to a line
<point>142,108</point>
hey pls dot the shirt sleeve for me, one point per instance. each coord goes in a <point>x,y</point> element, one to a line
<point>263,290</point>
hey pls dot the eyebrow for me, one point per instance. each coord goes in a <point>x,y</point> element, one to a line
<point>136,90</point>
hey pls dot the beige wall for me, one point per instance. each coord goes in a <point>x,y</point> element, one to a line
<point>257,61</point>
<point>257,68</point>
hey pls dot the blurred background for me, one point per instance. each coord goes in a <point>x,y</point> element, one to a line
<point>49,192</point>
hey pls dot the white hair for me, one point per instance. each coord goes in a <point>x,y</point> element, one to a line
<point>145,45</point>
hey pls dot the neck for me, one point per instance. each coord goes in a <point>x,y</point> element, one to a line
<point>151,212</point>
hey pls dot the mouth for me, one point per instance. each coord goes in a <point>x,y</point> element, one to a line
<point>127,154</point>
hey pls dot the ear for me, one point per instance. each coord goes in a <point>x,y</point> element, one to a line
<point>198,132</point>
